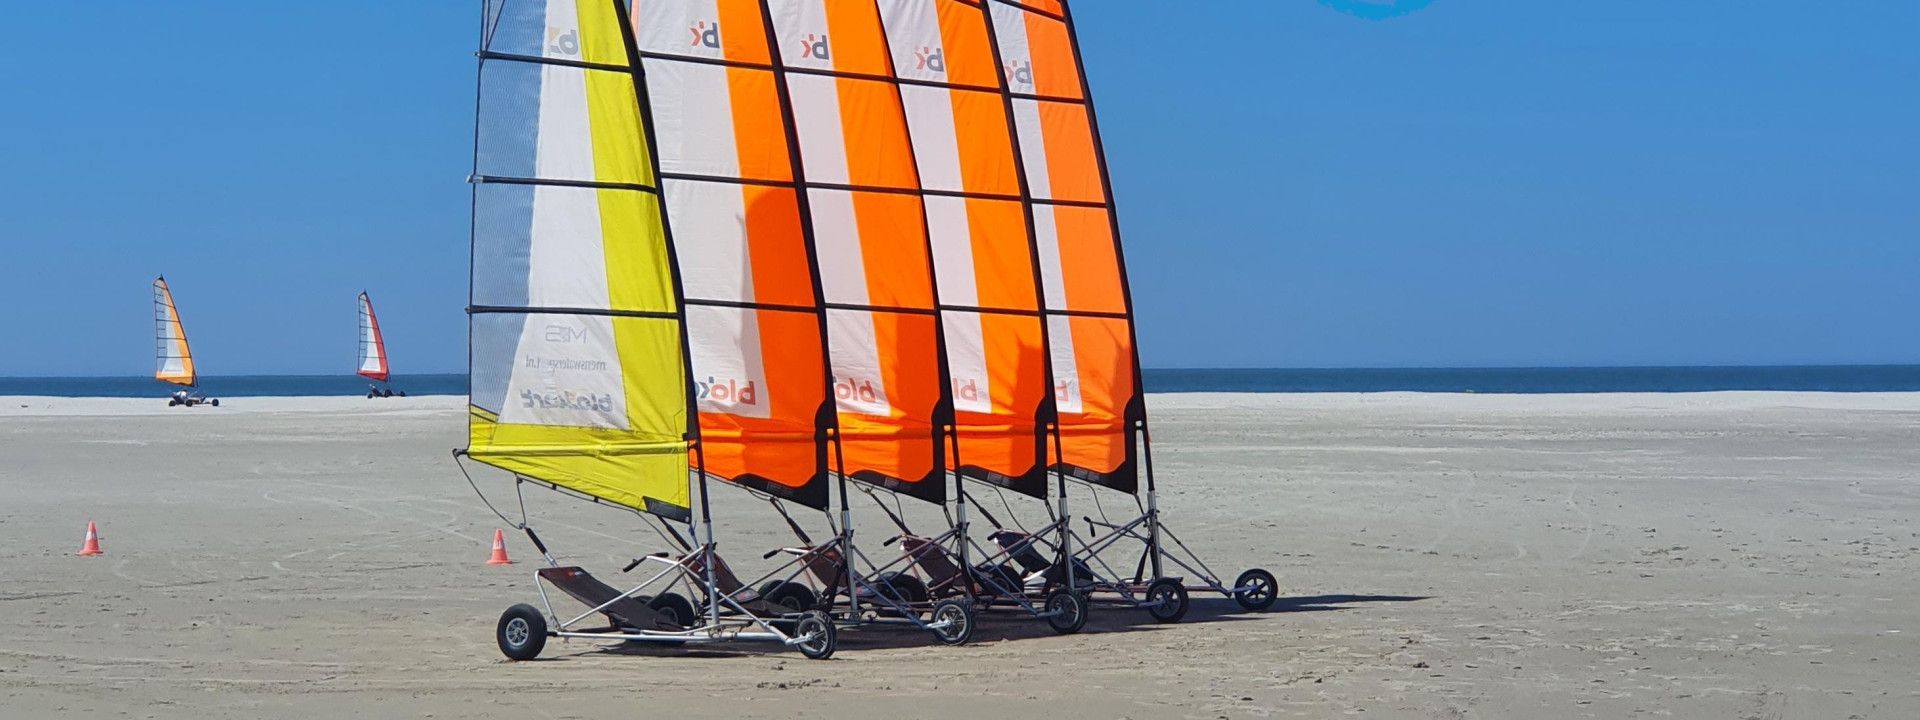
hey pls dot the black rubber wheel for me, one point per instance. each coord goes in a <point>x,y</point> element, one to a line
<point>1066,611</point>
<point>1261,590</point>
<point>959,618</point>
<point>996,580</point>
<point>825,635</point>
<point>214,402</point>
<point>901,588</point>
<point>172,402</point>
<point>371,395</point>
<point>792,596</point>
<point>522,632</point>
<point>1167,600</point>
<point>675,609</point>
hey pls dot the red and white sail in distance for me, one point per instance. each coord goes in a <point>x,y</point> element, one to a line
<point>173,362</point>
<point>373,350</point>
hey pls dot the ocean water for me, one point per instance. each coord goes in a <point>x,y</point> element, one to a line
<point>1829,378</point>
<point>231,385</point>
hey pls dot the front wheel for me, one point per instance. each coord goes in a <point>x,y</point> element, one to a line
<point>958,619</point>
<point>1258,590</point>
<point>1167,600</point>
<point>522,632</point>
<point>214,402</point>
<point>1066,611</point>
<point>821,636</point>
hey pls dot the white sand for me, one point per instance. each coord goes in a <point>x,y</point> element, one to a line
<point>1723,555</point>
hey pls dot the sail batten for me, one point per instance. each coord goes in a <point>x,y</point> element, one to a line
<point>577,372</point>
<point>173,360</point>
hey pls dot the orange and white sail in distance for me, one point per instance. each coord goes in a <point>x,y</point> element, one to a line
<point>173,361</point>
<point>373,350</point>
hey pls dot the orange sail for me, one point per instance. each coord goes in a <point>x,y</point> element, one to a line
<point>1090,333</point>
<point>173,361</point>
<point>755,324</point>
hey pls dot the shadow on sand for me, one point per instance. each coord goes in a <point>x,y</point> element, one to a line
<point>1000,624</point>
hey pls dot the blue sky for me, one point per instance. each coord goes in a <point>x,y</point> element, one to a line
<point>1301,183</point>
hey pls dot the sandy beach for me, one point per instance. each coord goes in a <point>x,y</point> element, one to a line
<point>1723,555</point>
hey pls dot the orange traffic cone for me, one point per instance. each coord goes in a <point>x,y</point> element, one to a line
<point>499,548</point>
<point>92,545</point>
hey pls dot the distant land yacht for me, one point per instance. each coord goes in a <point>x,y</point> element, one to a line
<point>173,361</point>
<point>373,352</point>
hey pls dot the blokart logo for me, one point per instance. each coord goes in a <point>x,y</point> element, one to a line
<point>1020,72</point>
<point>1065,391</point>
<point>1377,9</point>
<point>563,42</point>
<point>849,391</point>
<point>929,58</point>
<point>567,399</point>
<point>727,391</point>
<point>705,35</point>
<point>967,392</point>
<point>814,49</point>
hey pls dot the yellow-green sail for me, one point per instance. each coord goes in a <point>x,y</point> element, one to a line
<point>577,371</point>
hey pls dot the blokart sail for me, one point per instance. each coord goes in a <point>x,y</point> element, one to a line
<point>943,68</point>
<point>578,376</point>
<point>173,361</point>
<point>580,333</point>
<point>1089,307</point>
<point>373,350</point>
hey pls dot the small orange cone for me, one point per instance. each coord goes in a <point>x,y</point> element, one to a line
<point>499,548</point>
<point>92,545</point>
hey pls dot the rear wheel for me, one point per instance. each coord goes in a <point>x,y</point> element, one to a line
<point>1260,590</point>
<point>901,588</point>
<point>791,596</point>
<point>1066,611</point>
<point>958,619</point>
<point>820,633</point>
<point>675,610</point>
<point>1167,600</point>
<point>214,402</point>
<point>522,632</point>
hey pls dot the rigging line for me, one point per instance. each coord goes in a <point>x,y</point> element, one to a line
<point>652,523</point>
<point>1099,508</point>
<point>1011,515</point>
<point>483,496</point>
<point>519,492</point>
